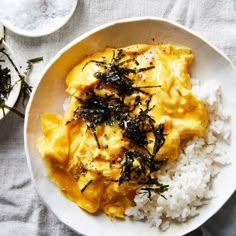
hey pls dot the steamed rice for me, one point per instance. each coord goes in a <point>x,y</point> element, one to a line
<point>190,178</point>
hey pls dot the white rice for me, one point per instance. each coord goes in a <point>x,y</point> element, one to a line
<point>190,178</point>
<point>66,103</point>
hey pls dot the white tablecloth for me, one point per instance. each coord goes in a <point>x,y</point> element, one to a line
<point>22,212</point>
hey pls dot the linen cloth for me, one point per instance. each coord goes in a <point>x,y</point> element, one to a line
<point>22,212</point>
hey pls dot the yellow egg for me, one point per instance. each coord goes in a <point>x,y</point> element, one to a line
<point>87,162</point>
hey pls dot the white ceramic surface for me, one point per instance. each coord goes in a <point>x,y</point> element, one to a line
<point>210,63</point>
<point>13,96</point>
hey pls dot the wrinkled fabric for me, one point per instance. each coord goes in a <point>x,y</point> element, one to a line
<point>22,212</point>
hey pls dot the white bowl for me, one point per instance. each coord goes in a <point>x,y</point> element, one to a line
<point>15,79</point>
<point>39,19</point>
<point>49,95</point>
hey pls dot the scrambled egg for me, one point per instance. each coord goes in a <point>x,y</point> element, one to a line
<point>85,171</point>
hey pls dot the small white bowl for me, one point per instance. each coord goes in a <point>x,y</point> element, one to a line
<point>15,79</point>
<point>34,27</point>
<point>210,63</point>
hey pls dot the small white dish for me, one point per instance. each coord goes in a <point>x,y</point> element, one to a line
<point>15,79</point>
<point>35,18</point>
<point>210,63</point>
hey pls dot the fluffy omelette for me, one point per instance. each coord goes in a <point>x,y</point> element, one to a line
<point>141,98</point>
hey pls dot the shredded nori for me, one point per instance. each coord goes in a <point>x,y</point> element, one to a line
<point>95,110</point>
<point>6,85</point>
<point>115,74</point>
<point>139,164</point>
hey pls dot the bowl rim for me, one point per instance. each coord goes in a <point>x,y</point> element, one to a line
<point>78,40</point>
<point>116,22</point>
<point>125,20</point>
